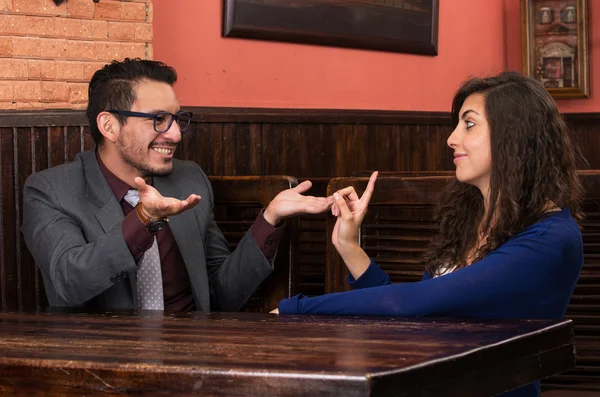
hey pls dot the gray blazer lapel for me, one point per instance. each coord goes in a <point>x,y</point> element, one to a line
<point>187,234</point>
<point>99,192</point>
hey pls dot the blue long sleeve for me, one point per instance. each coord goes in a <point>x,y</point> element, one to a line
<point>530,276</point>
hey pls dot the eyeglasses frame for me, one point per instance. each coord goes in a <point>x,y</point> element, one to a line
<point>154,116</point>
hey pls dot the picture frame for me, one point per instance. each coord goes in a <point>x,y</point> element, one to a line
<point>409,26</point>
<point>555,46</point>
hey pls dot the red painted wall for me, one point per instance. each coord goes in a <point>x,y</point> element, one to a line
<point>476,38</point>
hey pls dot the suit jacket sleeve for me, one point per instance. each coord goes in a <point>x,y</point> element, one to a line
<point>233,276</point>
<point>76,270</point>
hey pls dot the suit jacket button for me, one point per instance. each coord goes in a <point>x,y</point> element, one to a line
<point>113,279</point>
<point>140,248</point>
<point>124,273</point>
<point>269,242</point>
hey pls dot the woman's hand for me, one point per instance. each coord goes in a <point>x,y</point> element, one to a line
<point>350,212</point>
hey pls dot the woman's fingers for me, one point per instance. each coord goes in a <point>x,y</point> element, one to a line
<point>345,212</point>
<point>366,197</point>
<point>348,192</point>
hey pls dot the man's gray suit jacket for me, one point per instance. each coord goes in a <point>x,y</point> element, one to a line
<point>72,226</point>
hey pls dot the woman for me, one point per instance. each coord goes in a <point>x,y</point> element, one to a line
<point>509,243</point>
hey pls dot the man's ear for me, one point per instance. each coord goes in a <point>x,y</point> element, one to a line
<point>109,126</point>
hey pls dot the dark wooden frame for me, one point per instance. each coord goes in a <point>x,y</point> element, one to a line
<point>231,191</point>
<point>344,23</point>
<point>582,65</point>
<point>397,189</point>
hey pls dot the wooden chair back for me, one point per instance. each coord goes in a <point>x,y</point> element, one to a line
<point>396,230</point>
<point>238,201</point>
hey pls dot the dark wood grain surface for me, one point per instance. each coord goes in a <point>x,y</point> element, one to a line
<point>255,354</point>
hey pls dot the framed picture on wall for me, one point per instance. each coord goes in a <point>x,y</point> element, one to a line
<point>389,25</point>
<point>555,45</point>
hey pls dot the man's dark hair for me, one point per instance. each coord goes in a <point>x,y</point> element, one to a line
<point>113,87</point>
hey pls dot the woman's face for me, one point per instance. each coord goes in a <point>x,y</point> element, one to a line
<point>470,141</point>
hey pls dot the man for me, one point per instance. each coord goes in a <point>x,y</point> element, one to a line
<point>128,226</point>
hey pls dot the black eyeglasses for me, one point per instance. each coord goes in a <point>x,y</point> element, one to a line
<point>162,120</point>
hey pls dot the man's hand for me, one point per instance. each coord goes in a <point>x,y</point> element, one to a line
<point>156,206</point>
<point>291,202</point>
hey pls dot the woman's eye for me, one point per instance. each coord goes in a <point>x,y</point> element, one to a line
<point>470,124</point>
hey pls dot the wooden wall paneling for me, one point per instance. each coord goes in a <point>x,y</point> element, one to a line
<point>269,147</point>
<point>228,146</point>
<point>217,150</point>
<point>201,150</point>
<point>371,148</point>
<point>289,150</point>
<point>73,142</point>
<point>401,153</point>
<point>418,152</point>
<point>329,162</point>
<point>284,159</point>
<point>391,151</point>
<point>26,269</point>
<point>56,146</point>
<point>8,260</point>
<point>254,149</point>
<point>592,149</point>
<point>446,159</point>
<point>242,149</point>
<point>356,149</point>
<point>307,163</point>
<point>40,157</point>
<point>39,148</point>
<point>382,153</point>
<point>327,150</point>
<point>582,135</point>
<point>340,133</point>
<point>281,162</point>
<point>88,140</point>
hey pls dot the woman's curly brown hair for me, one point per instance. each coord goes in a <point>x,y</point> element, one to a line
<point>534,162</point>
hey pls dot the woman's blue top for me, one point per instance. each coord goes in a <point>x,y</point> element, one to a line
<point>530,276</point>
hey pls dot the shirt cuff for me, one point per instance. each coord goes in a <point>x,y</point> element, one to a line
<point>290,306</point>
<point>372,277</point>
<point>266,236</point>
<point>137,237</point>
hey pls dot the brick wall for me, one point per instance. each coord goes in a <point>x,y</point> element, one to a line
<point>48,53</point>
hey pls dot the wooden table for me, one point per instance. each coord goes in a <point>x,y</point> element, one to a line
<point>251,354</point>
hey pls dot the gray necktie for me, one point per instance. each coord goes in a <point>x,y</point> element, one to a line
<point>149,276</point>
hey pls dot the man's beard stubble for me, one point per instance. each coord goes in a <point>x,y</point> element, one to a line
<point>144,169</point>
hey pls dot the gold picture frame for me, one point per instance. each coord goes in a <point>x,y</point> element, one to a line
<point>555,46</point>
